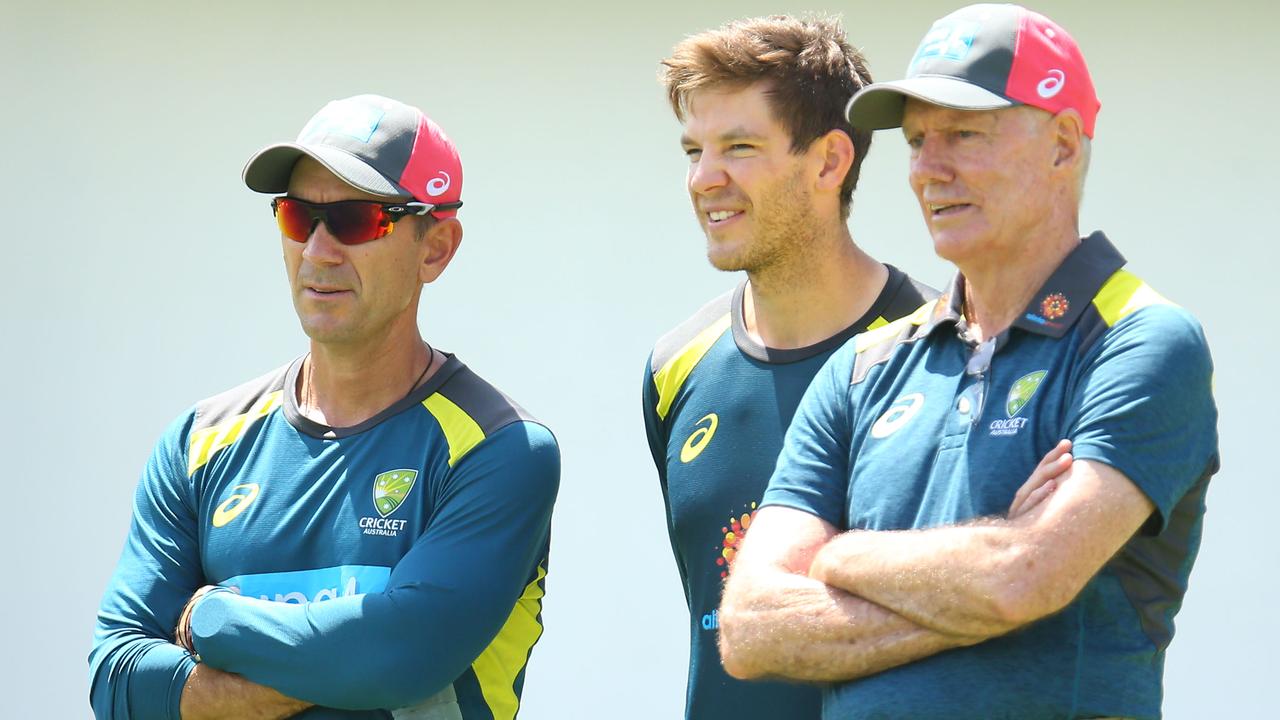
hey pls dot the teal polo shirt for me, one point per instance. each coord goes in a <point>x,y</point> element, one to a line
<point>913,426</point>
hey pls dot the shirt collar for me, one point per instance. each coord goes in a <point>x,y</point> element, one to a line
<point>1060,301</point>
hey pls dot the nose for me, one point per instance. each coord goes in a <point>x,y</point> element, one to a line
<point>322,248</point>
<point>707,174</point>
<point>929,163</point>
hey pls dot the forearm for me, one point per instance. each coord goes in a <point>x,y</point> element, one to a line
<point>779,624</point>
<point>211,694</point>
<point>399,647</point>
<point>990,576</point>
<point>957,579</point>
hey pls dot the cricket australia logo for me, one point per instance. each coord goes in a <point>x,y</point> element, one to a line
<point>390,489</point>
<point>1020,394</point>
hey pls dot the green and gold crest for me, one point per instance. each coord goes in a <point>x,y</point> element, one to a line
<point>391,488</point>
<point>1024,388</point>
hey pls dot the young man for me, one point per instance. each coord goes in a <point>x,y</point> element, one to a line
<point>772,167</point>
<point>890,491</point>
<point>366,528</point>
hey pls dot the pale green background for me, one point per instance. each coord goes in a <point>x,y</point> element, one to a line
<point>141,275</point>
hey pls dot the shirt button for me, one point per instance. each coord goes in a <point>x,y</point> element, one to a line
<point>963,405</point>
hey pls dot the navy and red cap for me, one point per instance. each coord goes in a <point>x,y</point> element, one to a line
<point>986,57</point>
<point>372,143</point>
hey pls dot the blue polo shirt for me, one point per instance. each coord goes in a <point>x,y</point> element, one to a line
<point>912,426</point>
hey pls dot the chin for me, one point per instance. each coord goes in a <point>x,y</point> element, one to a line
<point>954,247</point>
<point>724,257</point>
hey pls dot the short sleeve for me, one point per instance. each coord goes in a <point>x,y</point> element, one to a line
<point>812,473</point>
<point>1144,405</point>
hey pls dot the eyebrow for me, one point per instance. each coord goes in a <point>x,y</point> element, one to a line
<point>729,136</point>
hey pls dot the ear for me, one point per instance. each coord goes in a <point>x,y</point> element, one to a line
<point>441,242</point>
<point>1068,147</point>
<point>835,150</point>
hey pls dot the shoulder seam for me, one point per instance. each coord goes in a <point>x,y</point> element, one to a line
<point>671,377</point>
<point>1124,294</point>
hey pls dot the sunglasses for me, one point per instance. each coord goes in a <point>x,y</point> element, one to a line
<point>351,222</point>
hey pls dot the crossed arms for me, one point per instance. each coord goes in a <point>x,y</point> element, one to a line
<point>808,603</point>
<point>443,603</point>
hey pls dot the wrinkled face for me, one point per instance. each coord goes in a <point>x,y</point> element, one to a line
<point>748,189</point>
<point>350,294</point>
<point>982,178</point>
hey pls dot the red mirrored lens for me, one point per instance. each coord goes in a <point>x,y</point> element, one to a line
<point>351,222</point>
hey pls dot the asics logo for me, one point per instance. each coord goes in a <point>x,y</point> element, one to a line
<point>699,439</point>
<point>437,186</point>
<point>235,504</point>
<point>1051,85</point>
<point>899,414</point>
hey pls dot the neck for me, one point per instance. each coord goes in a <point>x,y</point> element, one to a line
<point>814,296</point>
<point>998,289</point>
<point>343,386</point>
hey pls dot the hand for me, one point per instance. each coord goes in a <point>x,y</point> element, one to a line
<point>1043,481</point>
<point>182,636</point>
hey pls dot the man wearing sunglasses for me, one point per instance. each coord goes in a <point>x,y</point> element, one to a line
<point>364,531</point>
<point>884,540</point>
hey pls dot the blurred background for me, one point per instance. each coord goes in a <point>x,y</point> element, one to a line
<point>143,276</point>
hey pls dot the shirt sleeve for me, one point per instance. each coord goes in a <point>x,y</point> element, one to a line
<point>657,433</point>
<point>812,473</point>
<point>1145,407</point>
<point>135,671</point>
<point>444,602</point>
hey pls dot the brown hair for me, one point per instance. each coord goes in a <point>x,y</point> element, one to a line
<point>809,67</point>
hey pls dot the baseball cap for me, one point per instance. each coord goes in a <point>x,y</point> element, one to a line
<point>986,57</point>
<point>375,144</point>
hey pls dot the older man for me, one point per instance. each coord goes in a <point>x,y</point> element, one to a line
<point>882,541</point>
<point>365,529</point>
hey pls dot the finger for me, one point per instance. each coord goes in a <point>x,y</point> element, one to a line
<point>1036,497</point>
<point>1051,466</point>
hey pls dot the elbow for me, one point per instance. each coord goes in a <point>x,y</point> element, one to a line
<point>741,659</point>
<point>1028,589</point>
<point>395,678</point>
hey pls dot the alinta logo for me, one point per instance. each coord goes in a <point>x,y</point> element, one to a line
<point>734,533</point>
<point>1054,306</point>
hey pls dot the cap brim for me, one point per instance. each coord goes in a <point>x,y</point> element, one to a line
<point>269,169</point>
<point>879,105</point>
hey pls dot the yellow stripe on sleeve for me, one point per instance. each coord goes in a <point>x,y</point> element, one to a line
<point>204,443</point>
<point>877,334</point>
<point>460,431</point>
<point>673,374</point>
<point>1123,294</point>
<point>500,664</point>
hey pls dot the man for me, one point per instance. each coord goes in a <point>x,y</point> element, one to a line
<point>883,541</point>
<point>364,530</point>
<point>773,165</point>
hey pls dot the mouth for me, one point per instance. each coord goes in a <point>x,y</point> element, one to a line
<point>719,217</point>
<point>323,291</point>
<point>944,209</point>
